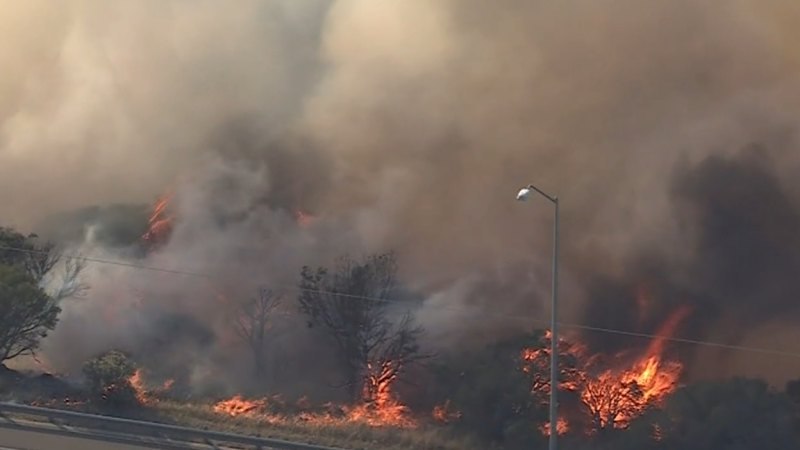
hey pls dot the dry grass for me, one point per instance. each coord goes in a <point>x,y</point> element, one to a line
<point>291,427</point>
<point>351,436</point>
<point>339,434</point>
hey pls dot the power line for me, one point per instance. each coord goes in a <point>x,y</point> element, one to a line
<point>450,307</point>
<point>685,341</point>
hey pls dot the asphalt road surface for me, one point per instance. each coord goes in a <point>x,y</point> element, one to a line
<point>26,435</point>
<point>32,440</point>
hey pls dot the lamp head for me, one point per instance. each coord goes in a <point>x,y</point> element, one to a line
<point>523,194</point>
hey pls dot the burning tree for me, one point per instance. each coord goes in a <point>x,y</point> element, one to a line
<point>252,322</point>
<point>611,397</point>
<point>615,397</point>
<point>351,305</point>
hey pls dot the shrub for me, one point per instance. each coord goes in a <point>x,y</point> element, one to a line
<point>108,377</point>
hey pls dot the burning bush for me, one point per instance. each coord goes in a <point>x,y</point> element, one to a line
<point>109,379</point>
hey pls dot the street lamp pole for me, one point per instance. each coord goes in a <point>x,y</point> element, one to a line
<point>523,195</point>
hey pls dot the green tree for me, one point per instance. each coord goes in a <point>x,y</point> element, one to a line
<point>44,262</point>
<point>27,313</point>
<point>108,377</point>
<point>499,392</point>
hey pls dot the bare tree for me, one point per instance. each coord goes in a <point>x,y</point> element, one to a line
<point>351,304</point>
<point>388,353</point>
<point>611,403</point>
<point>252,322</point>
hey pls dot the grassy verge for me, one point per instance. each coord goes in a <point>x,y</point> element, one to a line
<point>347,435</point>
<point>341,434</point>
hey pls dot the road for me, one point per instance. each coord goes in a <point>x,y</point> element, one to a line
<point>34,428</point>
<point>38,436</point>
<point>31,440</point>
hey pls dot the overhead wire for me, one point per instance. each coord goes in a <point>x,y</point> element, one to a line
<point>515,317</point>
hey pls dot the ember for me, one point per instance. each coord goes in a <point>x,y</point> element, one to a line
<point>444,413</point>
<point>562,426</point>
<point>303,218</point>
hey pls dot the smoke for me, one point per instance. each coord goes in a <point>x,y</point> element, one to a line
<point>409,125</point>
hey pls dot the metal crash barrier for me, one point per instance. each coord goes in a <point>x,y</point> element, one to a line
<point>137,432</point>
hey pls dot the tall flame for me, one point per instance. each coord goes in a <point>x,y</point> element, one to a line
<point>137,383</point>
<point>159,223</point>
<point>379,406</point>
<point>144,395</point>
<point>612,397</point>
<point>615,397</point>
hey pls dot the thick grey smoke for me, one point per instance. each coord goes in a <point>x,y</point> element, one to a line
<point>403,125</point>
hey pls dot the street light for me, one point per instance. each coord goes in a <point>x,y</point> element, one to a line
<point>523,195</point>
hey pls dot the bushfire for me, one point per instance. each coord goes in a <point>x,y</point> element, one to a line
<point>612,397</point>
<point>137,383</point>
<point>238,406</point>
<point>159,223</point>
<point>378,408</point>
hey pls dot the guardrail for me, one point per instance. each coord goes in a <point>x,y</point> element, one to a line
<point>135,428</point>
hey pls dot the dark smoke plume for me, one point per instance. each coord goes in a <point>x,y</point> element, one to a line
<point>408,126</point>
<point>741,250</point>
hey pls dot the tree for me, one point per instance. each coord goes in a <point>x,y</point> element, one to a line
<point>608,401</point>
<point>252,322</point>
<point>27,313</point>
<point>497,391</point>
<point>502,391</point>
<point>351,304</point>
<point>43,262</point>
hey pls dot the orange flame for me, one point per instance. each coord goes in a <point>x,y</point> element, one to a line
<point>144,395</point>
<point>380,407</point>
<point>303,218</point>
<point>137,383</point>
<point>614,397</point>
<point>238,406</point>
<point>444,413</point>
<point>562,426</point>
<point>159,223</point>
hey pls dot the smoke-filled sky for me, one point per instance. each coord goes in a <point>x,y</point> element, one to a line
<point>409,125</point>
